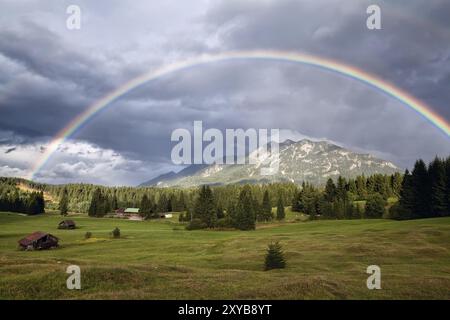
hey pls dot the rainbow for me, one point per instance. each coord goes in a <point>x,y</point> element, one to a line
<point>294,57</point>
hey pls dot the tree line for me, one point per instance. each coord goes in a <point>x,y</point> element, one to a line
<point>12,199</point>
<point>362,197</point>
<point>425,191</point>
<point>241,213</point>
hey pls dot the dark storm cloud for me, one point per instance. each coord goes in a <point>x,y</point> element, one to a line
<point>49,84</point>
<point>412,50</point>
<point>48,75</point>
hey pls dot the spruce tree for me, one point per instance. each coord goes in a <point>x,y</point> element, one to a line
<point>95,203</point>
<point>245,213</point>
<point>330,191</point>
<point>447,179</point>
<point>219,210</point>
<point>114,203</point>
<point>325,208</point>
<point>163,203</point>
<point>396,183</point>
<point>280,209</point>
<point>341,190</point>
<point>361,187</point>
<point>64,203</point>
<point>145,208</point>
<point>421,191</point>
<point>267,207</point>
<point>205,208</point>
<point>438,188</point>
<point>352,187</point>
<point>406,200</point>
<point>274,257</point>
<point>297,204</point>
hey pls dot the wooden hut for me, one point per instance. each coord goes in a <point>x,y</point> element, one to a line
<point>67,224</point>
<point>38,241</point>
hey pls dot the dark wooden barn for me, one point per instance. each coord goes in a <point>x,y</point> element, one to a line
<point>38,241</point>
<point>67,224</point>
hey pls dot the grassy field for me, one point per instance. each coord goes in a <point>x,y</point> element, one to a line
<point>160,260</point>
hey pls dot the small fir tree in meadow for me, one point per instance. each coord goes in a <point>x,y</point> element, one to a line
<point>116,233</point>
<point>274,257</point>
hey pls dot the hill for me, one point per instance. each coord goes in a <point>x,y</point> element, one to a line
<point>302,161</point>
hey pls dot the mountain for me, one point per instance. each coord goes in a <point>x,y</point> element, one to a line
<point>300,161</point>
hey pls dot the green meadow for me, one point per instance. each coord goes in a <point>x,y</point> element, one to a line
<point>161,260</point>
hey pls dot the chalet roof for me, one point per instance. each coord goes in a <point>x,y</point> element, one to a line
<point>68,222</point>
<point>33,237</point>
<point>132,210</point>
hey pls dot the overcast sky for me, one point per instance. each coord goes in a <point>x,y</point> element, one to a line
<point>49,74</point>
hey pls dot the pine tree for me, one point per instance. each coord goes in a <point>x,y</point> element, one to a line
<point>447,171</point>
<point>420,183</point>
<point>95,203</point>
<point>245,213</point>
<point>406,201</point>
<point>145,208</point>
<point>220,213</point>
<point>267,207</point>
<point>280,209</point>
<point>352,187</point>
<point>339,209</point>
<point>438,201</point>
<point>205,208</point>
<point>64,203</point>
<point>114,203</point>
<point>341,190</point>
<point>297,204</point>
<point>396,183</point>
<point>274,257</point>
<point>361,187</point>
<point>330,191</point>
<point>163,203</point>
<point>325,208</point>
<point>181,203</point>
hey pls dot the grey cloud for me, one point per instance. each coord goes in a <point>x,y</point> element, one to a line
<point>49,75</point>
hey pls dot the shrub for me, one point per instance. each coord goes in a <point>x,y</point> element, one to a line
<point>116,233</point>
<point>375,206</point>
<point>274,257</point>
<point>397,212</point>
<point>196,224</point>
<point>88,235</point>
<point>225,223</point>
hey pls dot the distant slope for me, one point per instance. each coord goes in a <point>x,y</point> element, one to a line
<point>300,161</point>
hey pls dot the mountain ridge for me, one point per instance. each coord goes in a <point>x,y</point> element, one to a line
<point>299,161</point>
